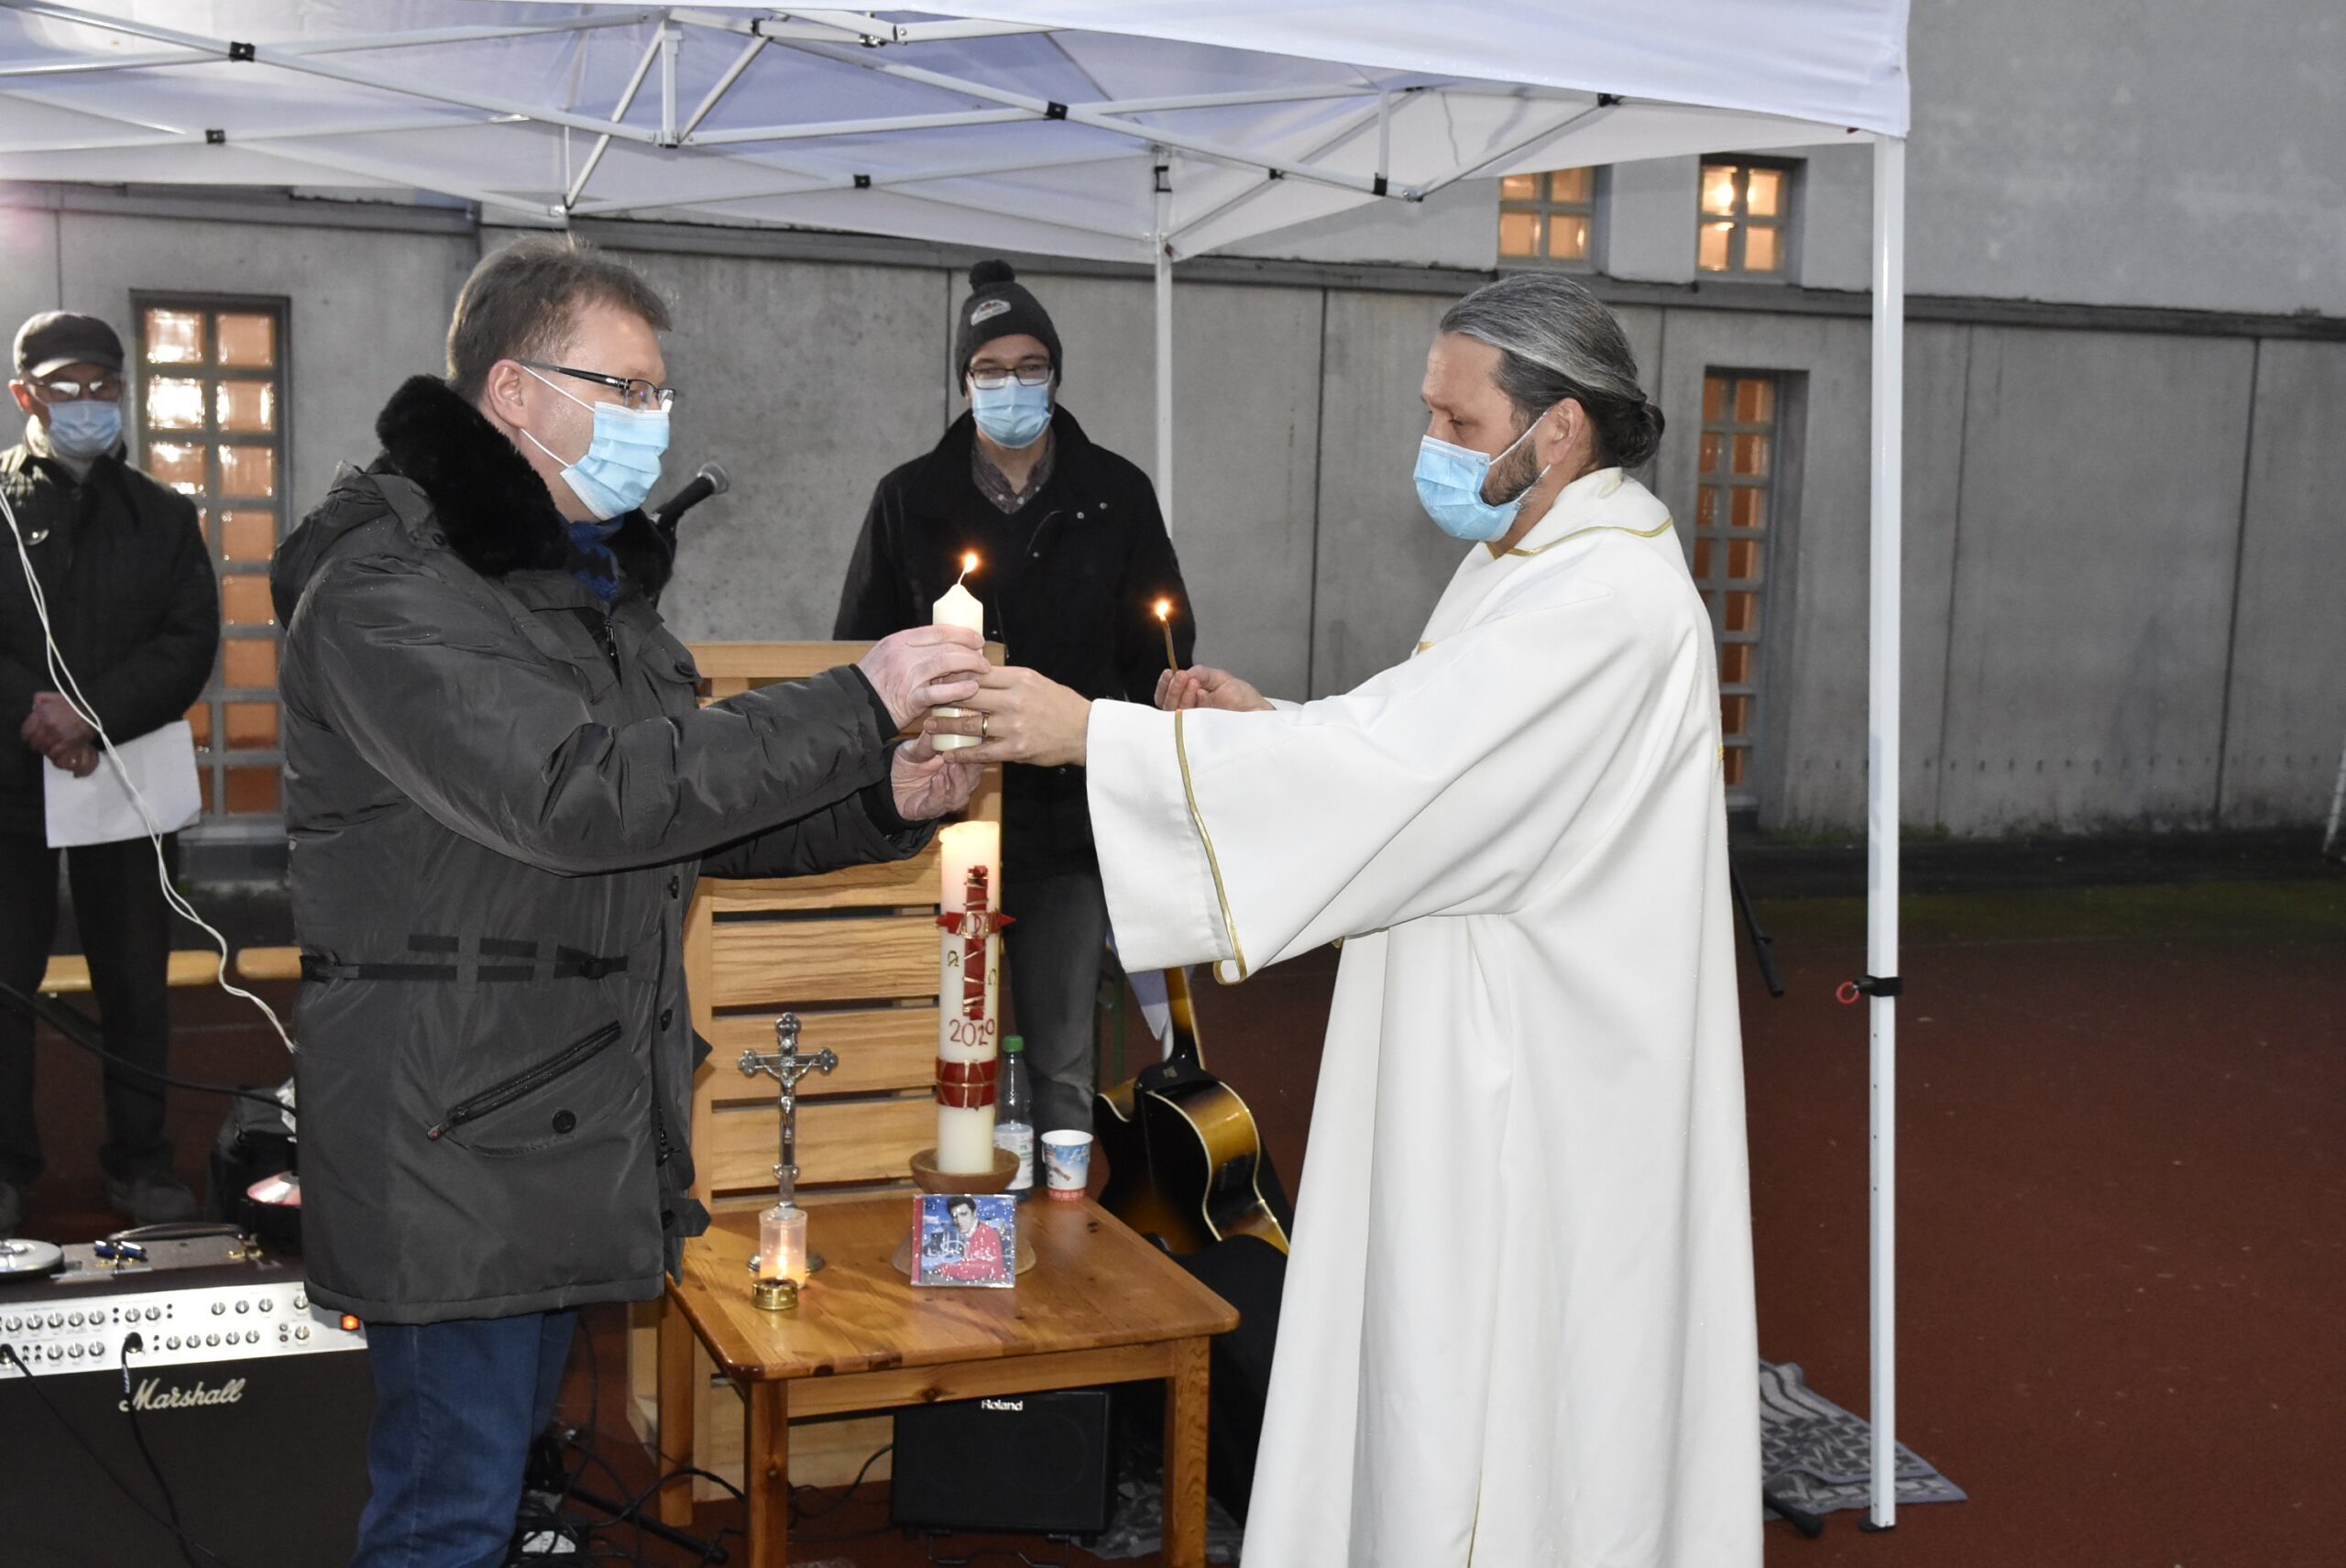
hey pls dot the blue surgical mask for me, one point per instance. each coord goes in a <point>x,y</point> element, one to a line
<point>87,429</point>
<point>1013,415</point>
<point>1450,487</point>
<point>622,458</point>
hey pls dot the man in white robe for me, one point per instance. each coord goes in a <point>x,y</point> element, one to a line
<point>1518,1327</point>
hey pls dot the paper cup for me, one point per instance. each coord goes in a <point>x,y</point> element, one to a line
<point>1066,1164</point>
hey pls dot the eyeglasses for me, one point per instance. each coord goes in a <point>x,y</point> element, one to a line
<point>106,389</point>
<point>1027,376</point>
<point>634,390</point>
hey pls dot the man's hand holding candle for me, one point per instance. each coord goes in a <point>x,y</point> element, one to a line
<point>923,667</point>
<point>927,785</point>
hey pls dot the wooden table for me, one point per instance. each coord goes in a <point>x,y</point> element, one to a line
<point>1101,1306</point>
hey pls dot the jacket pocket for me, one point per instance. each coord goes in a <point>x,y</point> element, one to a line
<point>465,1121</point>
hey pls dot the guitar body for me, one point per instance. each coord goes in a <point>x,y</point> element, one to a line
<point>1185,1159</point>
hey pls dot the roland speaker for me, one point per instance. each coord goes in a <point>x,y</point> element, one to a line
<point>1024,1463</point>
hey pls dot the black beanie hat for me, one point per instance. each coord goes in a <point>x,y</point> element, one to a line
<point>1000,306</point>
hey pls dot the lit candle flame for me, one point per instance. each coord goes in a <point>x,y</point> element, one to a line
<point>1163,610</point>
<point>968,565</point>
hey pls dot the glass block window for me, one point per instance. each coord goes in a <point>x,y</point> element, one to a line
<point>1548,217</point>
<point>1745,219</point>
<point>211,424</point>
<point>1734,509</point>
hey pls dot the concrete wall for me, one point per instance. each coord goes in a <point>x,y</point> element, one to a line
<point>2120,547</point>
<point>365,310</point>
<point>2150,153</point>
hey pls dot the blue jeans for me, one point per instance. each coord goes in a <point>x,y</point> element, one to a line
<point>457,1406</point>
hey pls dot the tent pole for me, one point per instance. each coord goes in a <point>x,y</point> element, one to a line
<point>1164,338</point>
<point>1881,816</point>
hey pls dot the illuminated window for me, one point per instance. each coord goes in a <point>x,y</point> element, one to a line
<point>1549,217</point>
<point>211,422</point>
<point>1745,222</point>
<point>1735,503</point>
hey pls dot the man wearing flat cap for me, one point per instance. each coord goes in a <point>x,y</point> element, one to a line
<point>135,615</point>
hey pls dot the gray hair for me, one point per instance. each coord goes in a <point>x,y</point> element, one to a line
<point>1556,340</point>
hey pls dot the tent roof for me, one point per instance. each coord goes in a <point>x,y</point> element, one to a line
<point>1037,126</point>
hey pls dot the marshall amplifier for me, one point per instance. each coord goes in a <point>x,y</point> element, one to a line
<point>1026,1463</point>
<point>253,1402</point>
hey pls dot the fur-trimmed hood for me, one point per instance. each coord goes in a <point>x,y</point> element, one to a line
<point>489,508</point>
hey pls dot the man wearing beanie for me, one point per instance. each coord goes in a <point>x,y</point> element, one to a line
<point>1073,557</point>
<point>131,599</point>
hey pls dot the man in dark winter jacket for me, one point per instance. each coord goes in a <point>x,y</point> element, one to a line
<point>128,585</point>
<point>1073,562</point>
<point>500,790</point>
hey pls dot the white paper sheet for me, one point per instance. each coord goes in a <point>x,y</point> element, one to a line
<point>99,810</point>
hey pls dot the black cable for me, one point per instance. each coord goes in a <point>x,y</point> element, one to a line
<point>8,1352</point>
<point>83,1031</point>
<point>844,1497</point>
<point>138,1436</point>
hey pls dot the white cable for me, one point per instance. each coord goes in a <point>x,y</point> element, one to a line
<point>71,690</point>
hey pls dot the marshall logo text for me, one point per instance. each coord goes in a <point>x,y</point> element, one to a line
<point>150,1396</point>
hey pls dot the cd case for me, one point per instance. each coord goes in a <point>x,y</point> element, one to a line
<point>967,1239</point>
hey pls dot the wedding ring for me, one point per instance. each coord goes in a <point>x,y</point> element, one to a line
<point>982,725</point>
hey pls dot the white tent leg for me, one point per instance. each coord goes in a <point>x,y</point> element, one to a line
<point>1163,344</point>
<point>1881,809</point>
<point>2337,805</point>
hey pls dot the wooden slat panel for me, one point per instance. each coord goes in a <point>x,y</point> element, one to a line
<point>752,962</point>
<point>855,1140</point>
<point>893,884</point>
<point>880,1050</point>
<point>760,661</point>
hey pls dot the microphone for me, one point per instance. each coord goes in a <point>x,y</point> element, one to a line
<point>711,480</point>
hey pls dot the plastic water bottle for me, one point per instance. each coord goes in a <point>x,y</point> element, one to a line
<point>1014,1116</point>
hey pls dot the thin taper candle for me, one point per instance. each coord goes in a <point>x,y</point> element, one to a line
<point>1165,625</point>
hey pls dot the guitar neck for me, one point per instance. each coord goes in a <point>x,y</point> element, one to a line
<point>1184,1018</point>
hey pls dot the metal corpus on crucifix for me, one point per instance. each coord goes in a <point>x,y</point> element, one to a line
<point>786,1066</point>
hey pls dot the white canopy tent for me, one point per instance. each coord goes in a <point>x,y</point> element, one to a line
<point>1138,130</point>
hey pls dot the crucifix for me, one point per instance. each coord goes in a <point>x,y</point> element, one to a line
<point>786,1066</point>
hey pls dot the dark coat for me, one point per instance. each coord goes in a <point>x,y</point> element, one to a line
<point>1067,583</point>
<point>499,795</point>
<point>130,593</point>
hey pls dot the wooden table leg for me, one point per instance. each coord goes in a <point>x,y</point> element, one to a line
<point>1184,1457</point>
<point>676,1415</point>
<point>765,1470</point>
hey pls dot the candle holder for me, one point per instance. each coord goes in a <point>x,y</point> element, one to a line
<point>786,1066</point>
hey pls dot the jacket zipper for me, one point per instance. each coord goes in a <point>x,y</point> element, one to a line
<point>572,1055</point>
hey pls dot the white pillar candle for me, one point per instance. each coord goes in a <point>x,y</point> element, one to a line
<point>969,1029</point>
<point>960,607</point>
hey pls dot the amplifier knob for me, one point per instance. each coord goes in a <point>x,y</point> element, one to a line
<point>153,1314</point>
<point>57,1320</point>
<point>302,1332</point>
<point>172,1342</point>
<point>244,1306</point>
<point>218,1308</point>
<point>74,1320</point>
<point>267,1305</point>
<point>301,1301</point>
<point>212,1339</point>
<point>12,1324</point>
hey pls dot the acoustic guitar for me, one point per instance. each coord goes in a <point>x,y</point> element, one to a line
<point>1186,1162</point>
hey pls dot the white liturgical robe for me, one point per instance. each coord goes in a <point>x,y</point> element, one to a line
<point>1517,1330</point>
